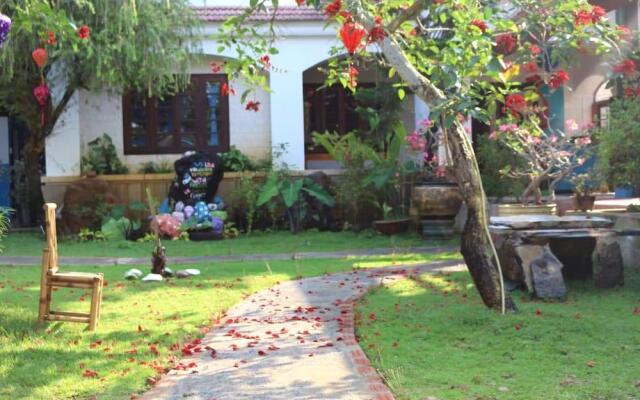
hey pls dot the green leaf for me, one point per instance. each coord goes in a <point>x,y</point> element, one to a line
<point>316,191</point>
<point>291,191</point>
<point>269,190</point>
<point>401,93</point>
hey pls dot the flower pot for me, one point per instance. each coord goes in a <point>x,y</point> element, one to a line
<point>436,205</point>
<point>392,227</point>
<point>584,203</point>
<point>505,210</point>
<point>625,192</point>
<point>209,234</point>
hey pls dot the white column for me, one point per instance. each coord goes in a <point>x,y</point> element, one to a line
<point>287,116</point>
<point>421,110</point>
<point>63,146</point>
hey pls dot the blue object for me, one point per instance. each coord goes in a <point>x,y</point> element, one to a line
<point>201,211</point>
<point>5,186</point>
<point>625,192</point>
<point>164,207</point>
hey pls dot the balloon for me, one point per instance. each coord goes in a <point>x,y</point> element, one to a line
<point>201,211</point>
<point>41,93</point>
<point>39,56</point>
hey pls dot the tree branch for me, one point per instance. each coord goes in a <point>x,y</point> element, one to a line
<point>57,111</point>
<point>406,15</point>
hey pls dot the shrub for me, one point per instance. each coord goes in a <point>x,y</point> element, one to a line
<point>4,224</point>
<point>619,143</point>
<point>495,160</point>
<point>102,158</point>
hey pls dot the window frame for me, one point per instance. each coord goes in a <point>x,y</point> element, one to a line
<point>198,84</point>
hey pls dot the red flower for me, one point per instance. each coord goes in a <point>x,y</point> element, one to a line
<point>629,92</point>
<point>517,326</point>
<point>353,76</point>
<point>84,32</point>
<point>626,67</point>
<point>216,67</point>
<point>535,50</point>
<point>625,33</point>
<point>480,24</point>
<point>558,79</point>
<point>88,373</point>
<point>536,80</point>
<point>351,35</point>
<point>266,61</point>
<point>252,106</point>
<point>530,67</point>
<point>506,43</point>
<point>516,102</point>
<point>51,38</point>
<point>300,2</point>
<point>225,90</point>
<point>332,9</point>
<point>377,33</point>
<point>597,13</point>
<point>39,56</point>
<point>582,17</point>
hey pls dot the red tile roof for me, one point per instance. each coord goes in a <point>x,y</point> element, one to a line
<point>216,14</point>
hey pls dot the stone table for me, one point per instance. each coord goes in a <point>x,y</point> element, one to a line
<point>540,251</point>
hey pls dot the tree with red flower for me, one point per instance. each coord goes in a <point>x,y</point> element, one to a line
<point>506,43</point>
<point>480,24</point>
<point>516,102</point>
<point>626,67</point>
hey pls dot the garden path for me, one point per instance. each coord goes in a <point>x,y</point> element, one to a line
<point>293,341</point>
<point>105,261</point>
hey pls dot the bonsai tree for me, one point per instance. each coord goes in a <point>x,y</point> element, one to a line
<point>57,47</point>
<point>453,55</point>
<point>547,157</point>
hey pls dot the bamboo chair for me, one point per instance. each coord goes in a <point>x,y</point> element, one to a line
<point>51,278</point>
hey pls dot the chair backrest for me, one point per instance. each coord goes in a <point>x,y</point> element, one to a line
<point>50,255</point>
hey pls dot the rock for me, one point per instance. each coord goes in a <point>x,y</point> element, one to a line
<point>524,222</point>
<point>152,278</point>
<point>610,269</point>
<point>511,269</point>
<point>168,272</point>
<point>185,273</point>
<point>133,274</point>
<point>542,270</point>
<point>192,271</point>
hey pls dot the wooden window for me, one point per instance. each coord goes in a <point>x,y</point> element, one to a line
<point>194,119</point>
<point>330,109</point>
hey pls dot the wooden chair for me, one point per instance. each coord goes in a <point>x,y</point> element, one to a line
<point>51,278</point>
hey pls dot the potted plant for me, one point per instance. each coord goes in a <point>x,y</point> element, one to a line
<point>435,198</point>
<point>583,188</point>
<point>549,156</point>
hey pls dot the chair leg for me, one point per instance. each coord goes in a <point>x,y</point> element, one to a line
<point>96,298</point>
<point>45,303</point>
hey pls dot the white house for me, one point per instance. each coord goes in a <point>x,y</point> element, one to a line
<point>155,131</point>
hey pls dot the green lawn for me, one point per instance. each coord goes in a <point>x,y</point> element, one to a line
<point>433,337</point>
<point>30,244</point>
<point>48,363</point>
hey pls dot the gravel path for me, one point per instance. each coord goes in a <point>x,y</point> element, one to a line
<point>293,341</point>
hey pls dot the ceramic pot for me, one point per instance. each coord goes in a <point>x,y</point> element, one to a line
<point>584,203</point>
<point>392,227</point>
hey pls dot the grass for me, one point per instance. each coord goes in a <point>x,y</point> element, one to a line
<point>30,244</point>
<point>49,362</point>
<point>433,337</point>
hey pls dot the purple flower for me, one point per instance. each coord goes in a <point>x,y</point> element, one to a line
<point>5,26</point>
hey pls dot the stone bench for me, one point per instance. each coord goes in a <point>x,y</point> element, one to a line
<point>540,251</point>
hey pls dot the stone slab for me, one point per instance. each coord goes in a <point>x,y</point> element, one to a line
<point>522,222</point>
<point>542,271</point>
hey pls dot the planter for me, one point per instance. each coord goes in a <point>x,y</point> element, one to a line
<point>441,200</point>
<point>198,236</point>
<point>505,210</point>
<point>625,192</point>
<point>436,205</point>
<point>392,227</point>
<point>584,203</point>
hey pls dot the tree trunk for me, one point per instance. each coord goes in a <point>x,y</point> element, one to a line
<point>476,244</point>
<point>32,153</point>
<point>477,247</point>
